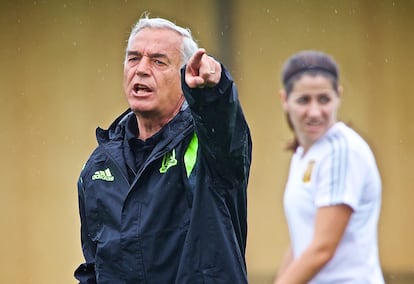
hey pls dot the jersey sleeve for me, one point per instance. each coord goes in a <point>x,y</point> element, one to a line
<point>341,176</point>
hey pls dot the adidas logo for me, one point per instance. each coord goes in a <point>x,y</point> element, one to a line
<point>103,175</point>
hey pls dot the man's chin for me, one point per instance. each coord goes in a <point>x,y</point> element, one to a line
<point>143,112</point>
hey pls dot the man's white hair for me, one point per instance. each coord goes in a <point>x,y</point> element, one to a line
<point>189,46</point>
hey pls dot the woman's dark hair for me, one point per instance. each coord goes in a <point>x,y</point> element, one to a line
<point>312,63</point>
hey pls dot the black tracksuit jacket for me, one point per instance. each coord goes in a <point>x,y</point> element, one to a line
<point>178,221</point>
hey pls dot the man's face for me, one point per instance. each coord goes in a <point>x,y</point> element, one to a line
<point>152,83</point>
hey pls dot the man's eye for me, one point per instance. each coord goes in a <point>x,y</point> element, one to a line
<point>131,59</point>
<point>159,62</point>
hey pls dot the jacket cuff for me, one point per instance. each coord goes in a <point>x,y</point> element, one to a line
<point>207,95</point>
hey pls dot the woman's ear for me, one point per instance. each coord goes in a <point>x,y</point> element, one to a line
<point>340,91</point>
<point>283,99</point>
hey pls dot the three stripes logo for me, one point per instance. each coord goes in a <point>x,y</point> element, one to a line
<point>105,175</point>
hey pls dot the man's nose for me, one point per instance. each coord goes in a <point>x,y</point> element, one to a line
<point>143,66</point>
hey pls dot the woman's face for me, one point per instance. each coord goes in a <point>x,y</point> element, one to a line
<point>312,107</point>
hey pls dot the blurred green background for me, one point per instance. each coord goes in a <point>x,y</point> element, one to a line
<point>61,77</point>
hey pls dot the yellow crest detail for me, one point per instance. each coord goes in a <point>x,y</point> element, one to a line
<point>308,173</point>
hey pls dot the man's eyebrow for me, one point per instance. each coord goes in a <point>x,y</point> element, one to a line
<point>157,55</point>
<point>152,55</point>
<point>129,52</point>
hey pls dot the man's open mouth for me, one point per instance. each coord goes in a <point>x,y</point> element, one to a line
<point>140,88</point>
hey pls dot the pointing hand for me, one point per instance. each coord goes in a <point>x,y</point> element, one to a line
<point>202,70</point>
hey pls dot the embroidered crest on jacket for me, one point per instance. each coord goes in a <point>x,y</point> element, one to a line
<point>168,161</point>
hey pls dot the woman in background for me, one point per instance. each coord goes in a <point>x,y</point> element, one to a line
<point>332,197</point>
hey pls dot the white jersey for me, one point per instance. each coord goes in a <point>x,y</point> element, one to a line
<point>339,168</point>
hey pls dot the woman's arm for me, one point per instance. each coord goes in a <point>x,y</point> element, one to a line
<point>286,261</point>
<point>330,225</point>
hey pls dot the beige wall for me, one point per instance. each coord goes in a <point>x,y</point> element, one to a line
<point>61,74</point>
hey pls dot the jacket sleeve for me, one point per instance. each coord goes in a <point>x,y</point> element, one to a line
<point>85,273</point>
<point>223,133</point>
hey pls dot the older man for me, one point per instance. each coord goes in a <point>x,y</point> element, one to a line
<point>163,197</point>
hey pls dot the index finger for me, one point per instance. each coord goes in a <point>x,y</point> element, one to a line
<point>195,61</point>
